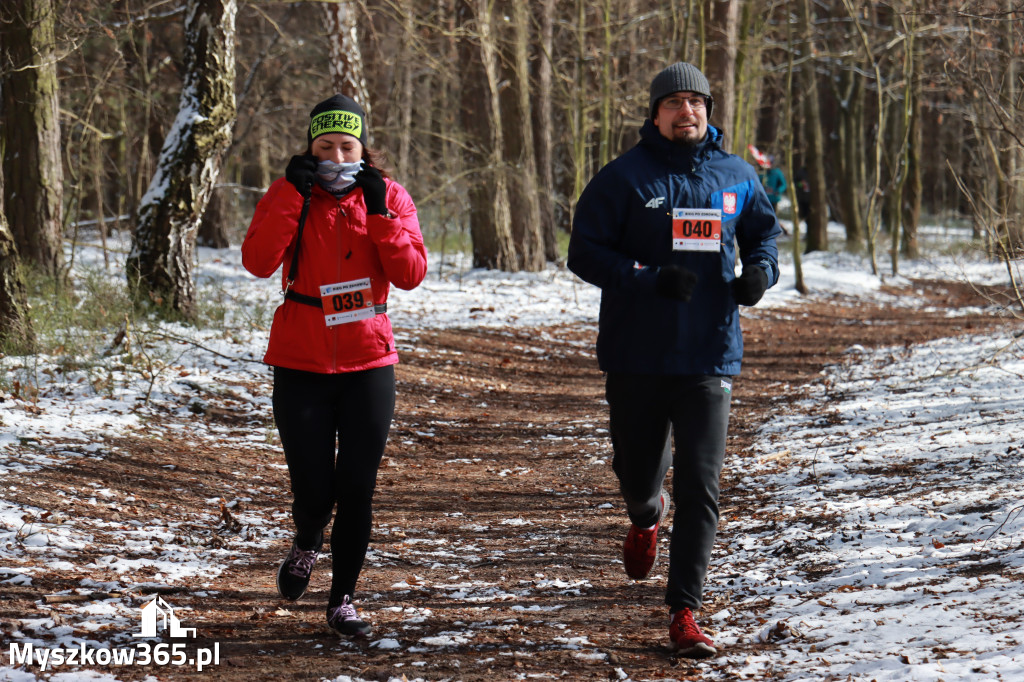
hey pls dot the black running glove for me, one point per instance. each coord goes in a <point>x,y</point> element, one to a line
<point>372,182</point>
<point>750,286</point>
<point>675,282</point>
<point>301,172</point>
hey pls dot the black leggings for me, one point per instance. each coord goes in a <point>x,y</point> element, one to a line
<point>333,429</point>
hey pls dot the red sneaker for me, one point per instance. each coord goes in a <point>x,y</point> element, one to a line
<point>685,637</point>
<point>640,550</point>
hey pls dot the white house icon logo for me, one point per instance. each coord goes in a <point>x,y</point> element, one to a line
<point>158,607</point>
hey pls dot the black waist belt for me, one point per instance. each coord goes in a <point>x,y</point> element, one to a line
<point>378,308</point>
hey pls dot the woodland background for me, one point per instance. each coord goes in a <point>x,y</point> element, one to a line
<point>169,118</point>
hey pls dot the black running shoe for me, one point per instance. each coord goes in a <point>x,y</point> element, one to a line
<point>345,620</point>
<point>293,576</point>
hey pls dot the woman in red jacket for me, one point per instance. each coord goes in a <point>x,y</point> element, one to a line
<point>344,233</point>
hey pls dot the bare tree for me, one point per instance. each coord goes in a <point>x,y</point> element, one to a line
<point>860,17</point>
<point>750,71</point>
<point>850,156</point>
<point>160,264</point>
<point>405,86</point>
<point>490,205</point>
<point>720,52</point>
<point>519,136</point>
<point>605,55</point>
<point>16,335</point>
<point>345,56</point>
<point>817,221</point>
<point>988,75</point>
<point>31,161</point>
<point>577,110</point>
<point>803,39</point>
<point>912,187</point>
<point>213,230</point>
<point>544,120</point>
<point>583,89</point>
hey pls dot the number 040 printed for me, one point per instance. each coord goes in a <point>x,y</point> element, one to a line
<point>696,229</point>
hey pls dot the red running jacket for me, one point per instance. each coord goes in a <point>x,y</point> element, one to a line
<point>340,243</point>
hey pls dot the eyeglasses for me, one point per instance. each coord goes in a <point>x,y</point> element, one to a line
<point>672,103</point>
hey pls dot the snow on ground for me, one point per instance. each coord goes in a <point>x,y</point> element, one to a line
<point>896,539</point>
<point>923,583</point>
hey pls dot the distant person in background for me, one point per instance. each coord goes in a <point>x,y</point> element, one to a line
<point>344,232</point>
<point>773,180</point>
<point>657,229</point>
<point>803,194</point>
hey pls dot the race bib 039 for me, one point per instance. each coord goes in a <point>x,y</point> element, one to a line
<point>346,302</point>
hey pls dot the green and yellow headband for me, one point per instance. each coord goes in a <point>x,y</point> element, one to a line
<point>336,121</point>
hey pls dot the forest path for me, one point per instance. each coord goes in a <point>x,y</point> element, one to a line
<point>498,527</point>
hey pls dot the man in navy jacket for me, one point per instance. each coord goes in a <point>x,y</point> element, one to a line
<point>658,230</point>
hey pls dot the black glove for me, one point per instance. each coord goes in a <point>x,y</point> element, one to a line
<point>301,172</point>
<point>372,182</point>
<point>675,282</point>
<point>750,286</point>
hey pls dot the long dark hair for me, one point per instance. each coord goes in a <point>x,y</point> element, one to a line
<point>377,158</point>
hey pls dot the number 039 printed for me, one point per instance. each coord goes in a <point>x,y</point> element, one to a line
<point>696,229</point>
<point>347,301</point>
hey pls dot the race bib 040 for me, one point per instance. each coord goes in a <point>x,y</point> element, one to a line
<point>696,229</point>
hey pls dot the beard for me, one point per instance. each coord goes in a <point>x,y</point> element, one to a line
<point>689,137</point>
<point>685,131</point>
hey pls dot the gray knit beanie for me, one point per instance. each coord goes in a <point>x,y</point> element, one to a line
<point>681,76</point>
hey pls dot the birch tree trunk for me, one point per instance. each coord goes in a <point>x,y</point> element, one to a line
<point>33,191</point>
<point>160,264</point>
<point>345,63</point>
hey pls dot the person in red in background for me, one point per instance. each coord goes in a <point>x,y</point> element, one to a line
<point>344,232</point>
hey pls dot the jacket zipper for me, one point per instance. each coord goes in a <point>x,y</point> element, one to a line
<point>338,278</point>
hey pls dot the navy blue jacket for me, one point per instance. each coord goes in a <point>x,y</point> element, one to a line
<point>622,234</point>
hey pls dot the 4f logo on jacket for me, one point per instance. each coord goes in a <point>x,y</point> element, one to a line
<point>656,202</point>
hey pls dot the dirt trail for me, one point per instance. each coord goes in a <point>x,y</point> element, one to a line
<point>496,546</point>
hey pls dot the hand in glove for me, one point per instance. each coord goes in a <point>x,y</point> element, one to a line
<point>301,172</point>
<point>675,282</point>
<point>372,182</point>
<point>750,286</point>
